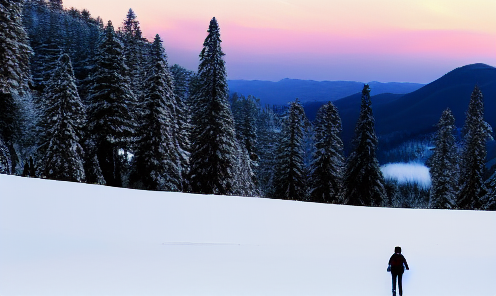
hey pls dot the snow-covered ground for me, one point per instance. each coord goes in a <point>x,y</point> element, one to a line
<point>60,238</point>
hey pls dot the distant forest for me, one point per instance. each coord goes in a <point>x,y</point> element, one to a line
<point>85,101</point>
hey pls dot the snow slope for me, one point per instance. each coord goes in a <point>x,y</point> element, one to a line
<point>60,238</point>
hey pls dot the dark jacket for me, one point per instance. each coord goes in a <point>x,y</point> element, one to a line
<point>398,263</point>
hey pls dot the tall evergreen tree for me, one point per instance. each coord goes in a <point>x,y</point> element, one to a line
<point>477,132</point>
<point>48,45</point>
<point>245,112</point>
<point>268,135</point>
<point>289,176</point>
<point>134,47</point>
<point>363,181</point>
<point>490,198</point>
<point>14,73</point>
<point>444,164</point>
<point>213,138</point>
<point>182,78</point>
<point>155,161</point>
<point>327,168</point>
<point>110,119</point>
<point>60,152</point>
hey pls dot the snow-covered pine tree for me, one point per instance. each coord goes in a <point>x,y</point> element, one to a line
<point>476,133</point>
<point>268,134</point>
<point>363,180</point>
<point>245,112</point>
<point>14,74</point>
<point>111,122</point>
<point>134,47</point>
<point>155,165</point>
<point>5,162</point>
<point>181,79</point>
<point>444,169</point>
<point>289,176</point>
<point>213,142</point>
<point>56,4</point>
<point>327,168</point>
<point>60,155</point>
<point>48,45</point>
<point>490,198</point>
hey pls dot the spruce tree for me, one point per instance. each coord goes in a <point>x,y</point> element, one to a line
<point>14,75</point>
<point>111,122</point>
<point>289,177</point>
<point>155,161</point>
<point>56,4</point>
<point>5,162</point>
<point>476,133</point>
<point>490,199</point>
<point>245,111</point>
<point>182,78</point>
<point>213,148</point>
<point>48,45</point>
<point>268,135</point>
<point>134,47</point>
<point>363,180</point>
<point>444,164</point>
<point>60,154</point>
<point>327,168</point>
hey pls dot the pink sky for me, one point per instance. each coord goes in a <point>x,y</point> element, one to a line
<point>362,40</point>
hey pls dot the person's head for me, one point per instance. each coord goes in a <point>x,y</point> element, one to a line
<point>397,250</point>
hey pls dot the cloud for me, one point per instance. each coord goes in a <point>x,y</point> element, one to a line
<point>407,173</point>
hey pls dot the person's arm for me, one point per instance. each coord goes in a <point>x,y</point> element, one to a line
<point>406,264</point>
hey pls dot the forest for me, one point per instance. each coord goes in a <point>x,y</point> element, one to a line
<point>84,101</point>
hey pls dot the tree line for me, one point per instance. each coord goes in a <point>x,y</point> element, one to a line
<point>85,102</point>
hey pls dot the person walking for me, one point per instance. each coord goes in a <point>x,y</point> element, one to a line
<point>397,264</point>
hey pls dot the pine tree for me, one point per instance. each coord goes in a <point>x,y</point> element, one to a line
<point>48,45</point>
<point>363,181</point>
<point>135,52</point>
<point>490,198</point>
<point>213,138</point>
<point>56,4</point>
<point>477,132</point>
<point>182,78</point>
<point>327,168</point>
<point>155,161</point>
<point>60,153</point>
<point>14,75</point>
<point>5,161</point>
<point>245,111</point>
<point>110,119</point>
<point>289,177</point>
<point>268,135</point>
<point>444,164</point>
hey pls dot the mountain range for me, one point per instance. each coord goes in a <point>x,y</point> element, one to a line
<point>402,111</point>
<point>286,90</point>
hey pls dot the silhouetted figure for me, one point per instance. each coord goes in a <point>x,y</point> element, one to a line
<point>397,264</point>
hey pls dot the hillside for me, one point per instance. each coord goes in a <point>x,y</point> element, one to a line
<point>286,90</point>
<point>60,238</point>
<point>399,117</point>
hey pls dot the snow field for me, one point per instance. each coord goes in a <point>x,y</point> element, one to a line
<point>61,238</point>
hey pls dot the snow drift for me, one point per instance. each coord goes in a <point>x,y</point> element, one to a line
<point>60,238</point>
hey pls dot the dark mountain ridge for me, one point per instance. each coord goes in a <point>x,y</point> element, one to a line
<point>287,90</point>
<point>402,117</point>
